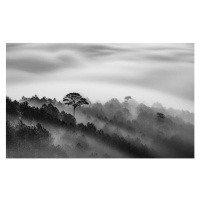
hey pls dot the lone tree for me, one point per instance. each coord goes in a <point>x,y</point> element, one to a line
<point>127,98</point>
<point>74,99</point>
<point>160,116</point>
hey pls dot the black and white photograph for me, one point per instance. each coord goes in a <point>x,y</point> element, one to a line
<point>100,100</point>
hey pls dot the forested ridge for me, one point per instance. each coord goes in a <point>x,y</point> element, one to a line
<point>47,128</point>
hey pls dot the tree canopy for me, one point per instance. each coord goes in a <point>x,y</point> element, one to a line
<point>75,100</point>
<point>127,98</point>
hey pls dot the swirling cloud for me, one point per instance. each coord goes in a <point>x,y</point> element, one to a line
<point>166,68</point>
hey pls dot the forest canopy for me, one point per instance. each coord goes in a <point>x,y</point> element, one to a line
<point>45,127</point>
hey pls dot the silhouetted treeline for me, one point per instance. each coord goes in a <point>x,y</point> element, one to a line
<point>133,129</point>
<point>128,108</point>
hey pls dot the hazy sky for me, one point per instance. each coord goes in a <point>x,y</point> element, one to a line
<point>147,72</point>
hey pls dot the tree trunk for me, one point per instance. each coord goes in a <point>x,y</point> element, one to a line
<point>74,111</point>
<point>75,121</point>
<point>20,117</point>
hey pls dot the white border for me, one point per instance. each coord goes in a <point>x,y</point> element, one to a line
<point>99,21</point>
